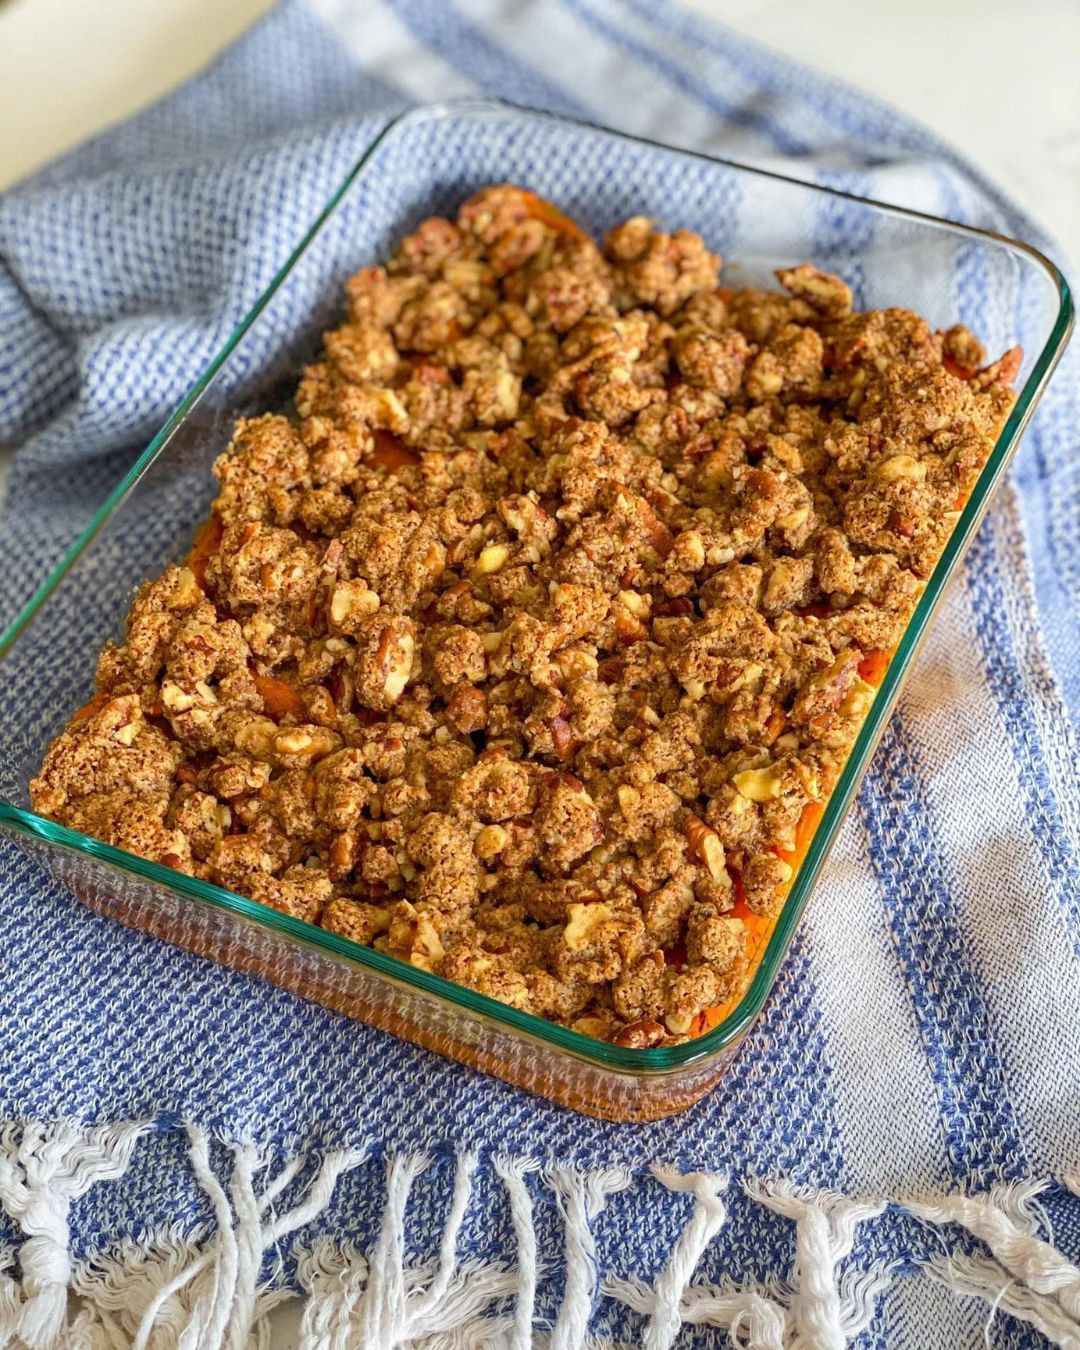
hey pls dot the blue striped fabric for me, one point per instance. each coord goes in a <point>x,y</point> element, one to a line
<point>925,1032</point>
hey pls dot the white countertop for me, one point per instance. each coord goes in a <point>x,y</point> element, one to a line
<point>998,79</point>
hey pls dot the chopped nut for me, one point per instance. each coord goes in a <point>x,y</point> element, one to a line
<point>467,708</point>
<point>186,591</point>
<point>706,845</point>
<point>304,744</point>
<point>629,800</point>
<point>342,855</point>
<point>781,581</point>
<point>583,921</point>
<point>505,396</point>
<point>413,937</point>
<point>638,605</point>
<point>394,658</point>
<point>127,733</point>
<point>640,1036</point>
<point>901,466</point>
<point>758,785</point>
<point>491,559</point>
<point>490,842</point>
<point>562,737</point>
<point>764,379</point>
<point>794,520</point>
<point>688,551</point>
<point>256,736</point>
<point>858,699</point>
<point>351,602</point>
<point>175,699</point>
<point>575,663</point>
<point>629,628</point>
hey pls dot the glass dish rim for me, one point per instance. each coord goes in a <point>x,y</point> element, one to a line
<point>600,1053</point>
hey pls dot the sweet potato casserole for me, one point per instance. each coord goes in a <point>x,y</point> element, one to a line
<point>528,644</point>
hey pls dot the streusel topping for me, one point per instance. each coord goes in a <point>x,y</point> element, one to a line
<point>528,645</point>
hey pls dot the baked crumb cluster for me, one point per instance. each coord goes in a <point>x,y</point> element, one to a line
<point>523,648</point>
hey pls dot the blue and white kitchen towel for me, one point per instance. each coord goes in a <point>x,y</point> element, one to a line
<point>888,1163</point>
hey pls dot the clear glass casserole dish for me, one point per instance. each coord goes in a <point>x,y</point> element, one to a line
<point>428,161</point>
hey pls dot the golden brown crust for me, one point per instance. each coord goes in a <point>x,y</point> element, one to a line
<point>524,649</point>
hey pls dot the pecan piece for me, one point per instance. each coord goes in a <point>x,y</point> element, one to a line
<point>706,847</point>
<point>639,1036</point>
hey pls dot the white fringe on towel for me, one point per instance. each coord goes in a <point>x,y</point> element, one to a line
<point>203,1289</point>
<point>825,1226</point>
<point>42,1169</point>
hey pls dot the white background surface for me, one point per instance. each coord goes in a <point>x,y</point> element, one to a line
<point>999,79</point>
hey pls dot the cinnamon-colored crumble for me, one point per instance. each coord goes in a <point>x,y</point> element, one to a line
<point>527,648</point>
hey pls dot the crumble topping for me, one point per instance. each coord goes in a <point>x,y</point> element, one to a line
<point>529,646</point>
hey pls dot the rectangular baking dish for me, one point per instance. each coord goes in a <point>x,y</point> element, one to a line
<point>426,161</point>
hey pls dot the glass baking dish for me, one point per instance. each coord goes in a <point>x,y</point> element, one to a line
<point>427,161</point>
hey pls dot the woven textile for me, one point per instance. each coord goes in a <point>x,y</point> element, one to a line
<point>893,1159</point>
